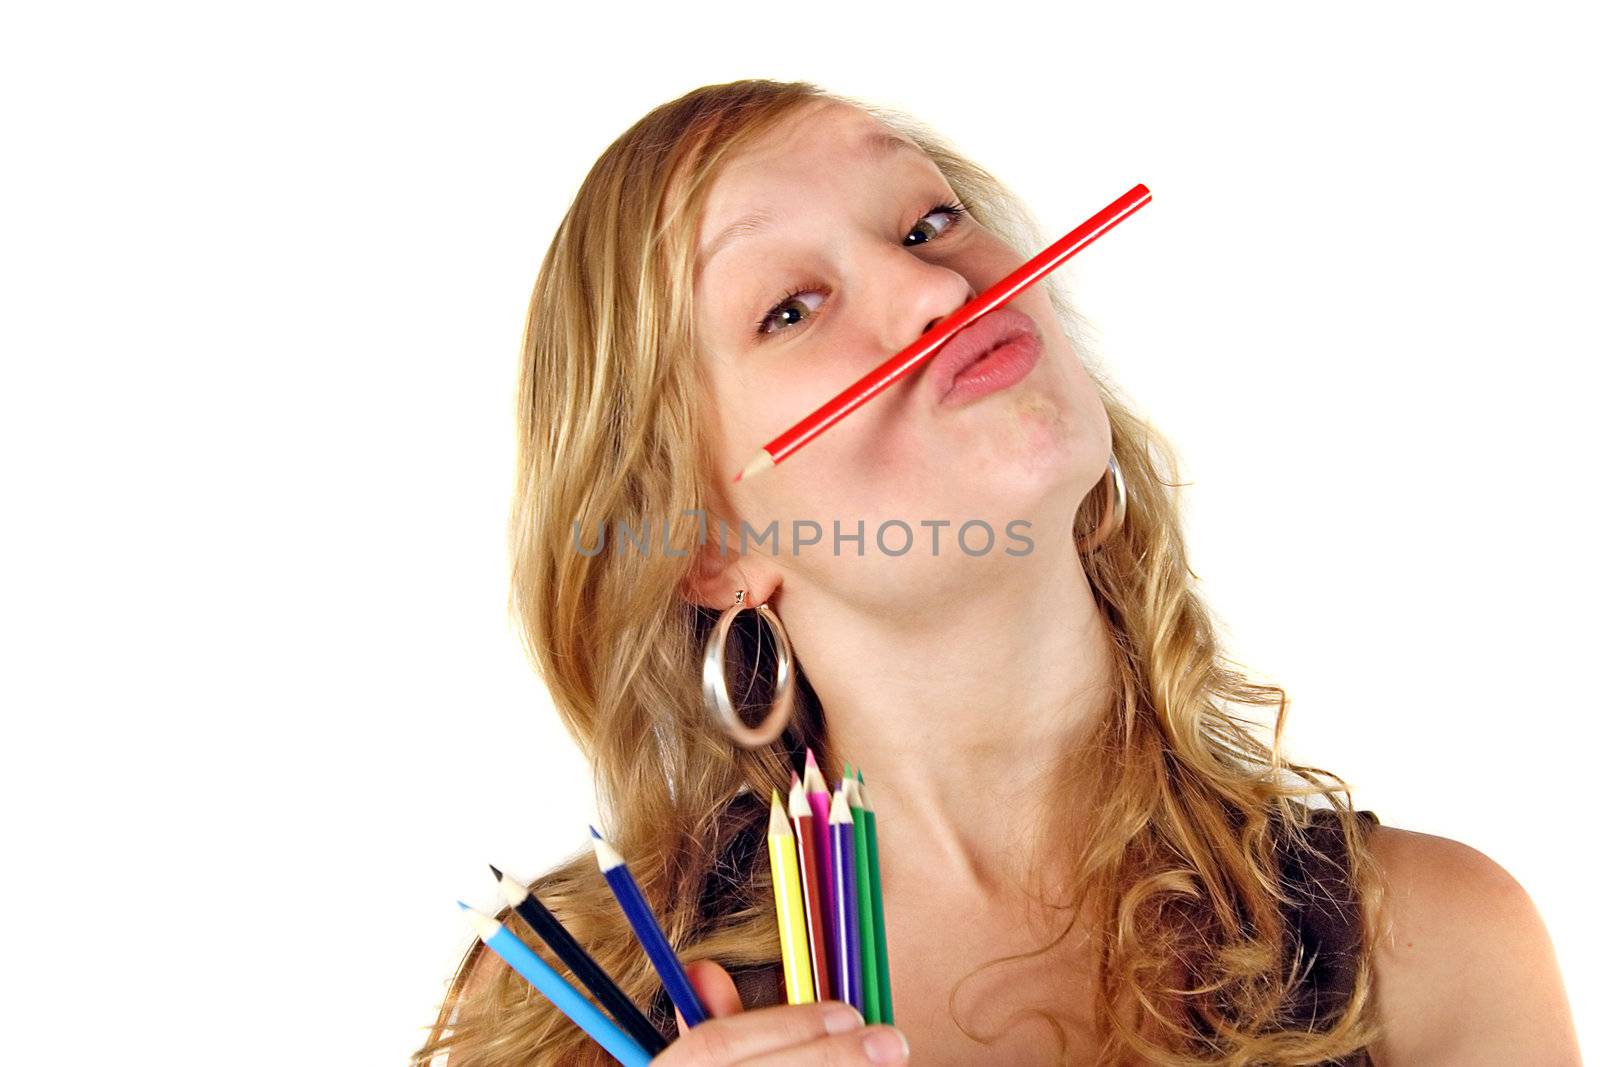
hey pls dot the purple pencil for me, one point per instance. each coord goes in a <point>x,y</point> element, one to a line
<point>847,931</point>
<point>816,788</point>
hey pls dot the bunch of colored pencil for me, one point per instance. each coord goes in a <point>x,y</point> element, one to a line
<point>824,856</point>
<point>626,1033</point>
<point>829,898</point>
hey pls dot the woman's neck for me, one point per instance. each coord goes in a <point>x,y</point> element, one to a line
<point>961,721</point>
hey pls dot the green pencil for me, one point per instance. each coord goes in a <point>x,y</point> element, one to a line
<point>871,1009</point>
<point>880,939</point>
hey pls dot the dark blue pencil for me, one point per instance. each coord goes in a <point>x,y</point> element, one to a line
<point>648,931</point>
<point>846,930</point>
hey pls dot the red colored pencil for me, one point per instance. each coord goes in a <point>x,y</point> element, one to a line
<point>886,374</point>
<point>816,789</point>
<point>813,890</point>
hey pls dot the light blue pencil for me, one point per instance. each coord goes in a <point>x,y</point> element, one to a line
<point>544,978</point>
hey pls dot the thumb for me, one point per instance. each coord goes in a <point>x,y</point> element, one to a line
<point>715,988</point>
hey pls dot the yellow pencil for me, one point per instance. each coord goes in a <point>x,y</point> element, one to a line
<point>791,906</point>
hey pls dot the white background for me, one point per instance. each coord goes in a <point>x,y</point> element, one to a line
<point>265,268</point>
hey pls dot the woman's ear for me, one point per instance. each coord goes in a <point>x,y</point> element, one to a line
<point>718,573</point>
<point>709,582</point>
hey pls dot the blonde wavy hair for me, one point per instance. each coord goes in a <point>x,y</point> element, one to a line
<point>1182,856</point>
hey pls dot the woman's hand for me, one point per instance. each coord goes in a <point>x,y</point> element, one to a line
<point>829,1034</point>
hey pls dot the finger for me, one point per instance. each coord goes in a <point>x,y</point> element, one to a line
<point>874,1045</point>
<point>735,1038</point>
<point>715,988</point>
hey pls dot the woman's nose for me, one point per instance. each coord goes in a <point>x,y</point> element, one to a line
<point>911,296</point>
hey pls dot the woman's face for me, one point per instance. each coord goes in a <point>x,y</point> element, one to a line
<point>849,232</point>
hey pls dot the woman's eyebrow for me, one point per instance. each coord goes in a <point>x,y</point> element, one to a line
<point>876,146</point>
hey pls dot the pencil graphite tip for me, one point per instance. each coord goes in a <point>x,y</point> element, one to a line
<point>761,461</point>
<point>485,926</point>
<point>496,870</point>
<point>778,820</point>
<point>794,777</point>
<point>512,891</point>
<point>861,795</point>
<point>813,779</point>
<point>799,807</point>
<point>595,833</point>
<point>463,906</point>
<point>608,857</point>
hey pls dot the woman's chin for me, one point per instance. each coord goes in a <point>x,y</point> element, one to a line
<point>1025,439</point>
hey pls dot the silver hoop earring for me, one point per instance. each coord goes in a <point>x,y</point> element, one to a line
<point>714,680</point>
<point>1116,509</point>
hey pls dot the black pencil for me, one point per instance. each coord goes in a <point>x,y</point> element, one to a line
<point>598,982</point>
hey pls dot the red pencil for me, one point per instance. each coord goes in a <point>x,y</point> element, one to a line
<point>812,890</point>
<point>886,374</point>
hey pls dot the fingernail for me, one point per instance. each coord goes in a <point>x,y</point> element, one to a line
<point>886,1046</point>
<point>840,1018</point>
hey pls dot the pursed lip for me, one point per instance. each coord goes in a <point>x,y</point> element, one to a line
<point>974,341</point>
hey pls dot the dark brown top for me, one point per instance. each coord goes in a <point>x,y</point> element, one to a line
<point>1326,924</point>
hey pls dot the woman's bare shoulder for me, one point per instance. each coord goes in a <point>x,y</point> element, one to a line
<point>1466,971</point>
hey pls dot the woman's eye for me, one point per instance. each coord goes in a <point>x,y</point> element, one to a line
<point>789,306</point>
<point>789,311</point>
<point>955,211</point>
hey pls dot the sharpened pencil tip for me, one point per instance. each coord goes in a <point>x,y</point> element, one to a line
<point>595,833</point>
<point>811,758</point>
<point>759,463</point>
<point>496,870</point>
<point>839,810</point>
<point>607,857</point>
<point>762,461</point>
<point>463,906</point>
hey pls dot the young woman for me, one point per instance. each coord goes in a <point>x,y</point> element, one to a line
<point>1093,858</point>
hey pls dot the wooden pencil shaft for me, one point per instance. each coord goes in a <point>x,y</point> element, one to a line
<point>864,920</point>
<point>611,997</point>
<point>885,997</point>
<point>814,887</point>
<point>655,944</point>
<point>847,945</point>
<point>787,899</point>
